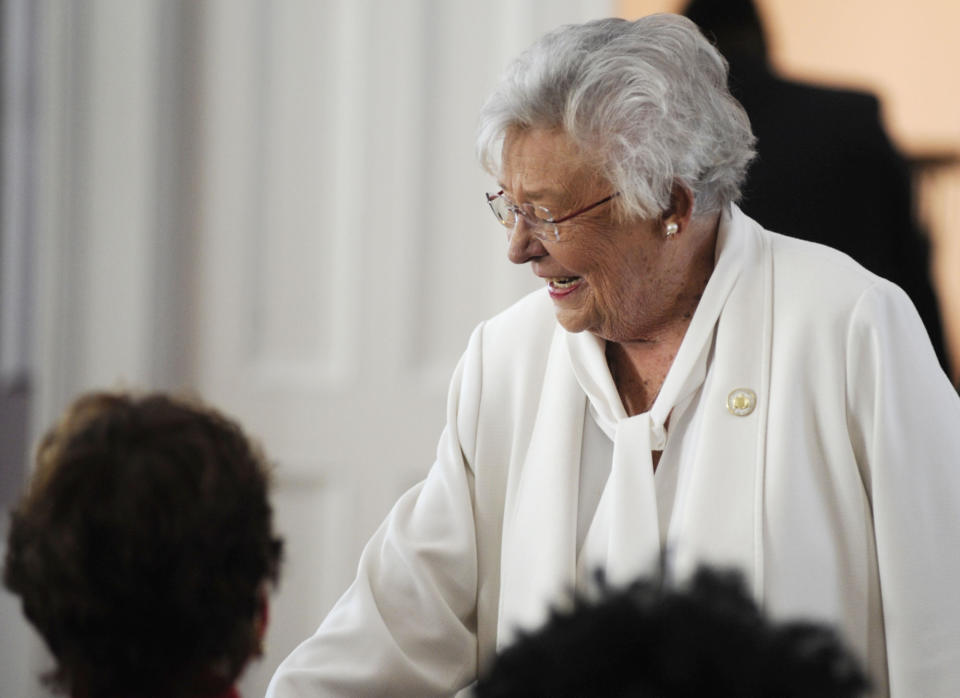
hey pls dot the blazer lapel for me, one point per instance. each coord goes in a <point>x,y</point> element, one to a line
<point>723,517</point>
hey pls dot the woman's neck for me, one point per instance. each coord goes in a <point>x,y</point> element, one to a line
<point>229,693</point>
<point>639,369</point>
<point>640,366</point>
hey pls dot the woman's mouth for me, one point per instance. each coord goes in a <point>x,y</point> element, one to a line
<point>560,286</point>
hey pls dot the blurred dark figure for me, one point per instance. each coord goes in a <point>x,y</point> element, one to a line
<point>825,169</point>
<point>144,548</point>
<point>651,641</point>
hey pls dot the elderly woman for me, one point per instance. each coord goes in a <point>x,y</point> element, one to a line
<point>688,388</point>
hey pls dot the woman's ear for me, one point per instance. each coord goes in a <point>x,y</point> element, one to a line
<point>681,202</point>
<point>676,218</point>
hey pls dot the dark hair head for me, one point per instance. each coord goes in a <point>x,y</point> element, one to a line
<point>143,547</point>
<point>733,25</point>
<point>653,641</point>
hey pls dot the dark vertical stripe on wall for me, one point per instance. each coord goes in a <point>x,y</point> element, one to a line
<point>178,78</point>
<point>68,132</point>
<point>18,31</point>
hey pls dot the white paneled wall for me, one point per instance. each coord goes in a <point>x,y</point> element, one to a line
<point>347,252</point>
<point>275,203</point>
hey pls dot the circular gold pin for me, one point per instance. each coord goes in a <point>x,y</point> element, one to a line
<point>741,401</point>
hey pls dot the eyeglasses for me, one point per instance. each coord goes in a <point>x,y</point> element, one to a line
<point>542,223</point>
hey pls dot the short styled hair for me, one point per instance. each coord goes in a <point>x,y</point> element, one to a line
<point>143,547</point>
<point>648,99</point>
<point>650,640</point>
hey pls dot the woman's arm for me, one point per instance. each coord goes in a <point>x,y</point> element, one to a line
<point>905,421</point>
<point>407,624</point>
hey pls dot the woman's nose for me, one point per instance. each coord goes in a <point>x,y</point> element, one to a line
<point>523,245</point>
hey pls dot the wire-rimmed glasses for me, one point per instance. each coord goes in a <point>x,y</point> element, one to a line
<point>541,222</point>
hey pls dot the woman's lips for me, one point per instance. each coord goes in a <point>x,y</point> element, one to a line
<point>560,286</point>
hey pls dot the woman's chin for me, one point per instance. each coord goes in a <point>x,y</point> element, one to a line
<point>572,320</point>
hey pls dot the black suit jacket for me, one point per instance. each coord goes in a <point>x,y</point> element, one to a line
<point>826,171</point>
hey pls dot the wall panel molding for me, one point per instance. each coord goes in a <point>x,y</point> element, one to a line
<point>276,204</point>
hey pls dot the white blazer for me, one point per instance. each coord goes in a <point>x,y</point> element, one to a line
<point>838,496</point>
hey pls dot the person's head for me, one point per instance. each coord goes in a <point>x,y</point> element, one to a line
<point>648,640</point>
<point>645,101</point>
<point>734,25</point>
<point>637,111</point>
<point>144,547</point>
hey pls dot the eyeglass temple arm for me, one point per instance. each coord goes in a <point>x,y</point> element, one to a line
<point>583,210</point>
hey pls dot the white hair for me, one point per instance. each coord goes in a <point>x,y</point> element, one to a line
<point>648,98</point>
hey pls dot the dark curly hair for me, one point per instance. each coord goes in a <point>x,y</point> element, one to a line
<point>649,640</point>
<point>143,548</point>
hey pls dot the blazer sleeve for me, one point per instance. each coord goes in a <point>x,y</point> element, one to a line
<point>904,420</point>
<point>407,624</point>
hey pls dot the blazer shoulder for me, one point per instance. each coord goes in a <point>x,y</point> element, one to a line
<point>813,275</point>
<point>529,319</point>
<point>510,353</point>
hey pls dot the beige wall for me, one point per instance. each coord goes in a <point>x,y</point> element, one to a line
<point>911,59</point>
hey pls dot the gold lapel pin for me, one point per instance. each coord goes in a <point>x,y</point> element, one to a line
<point>740,402</point>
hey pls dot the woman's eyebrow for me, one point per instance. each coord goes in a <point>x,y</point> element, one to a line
<point>531,194</point>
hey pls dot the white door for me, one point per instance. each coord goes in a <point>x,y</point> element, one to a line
<point>346,255</point>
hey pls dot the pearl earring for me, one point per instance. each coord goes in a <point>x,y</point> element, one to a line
<point>672,228</point>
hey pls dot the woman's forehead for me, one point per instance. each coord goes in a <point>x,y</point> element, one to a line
<point>541,163</point>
